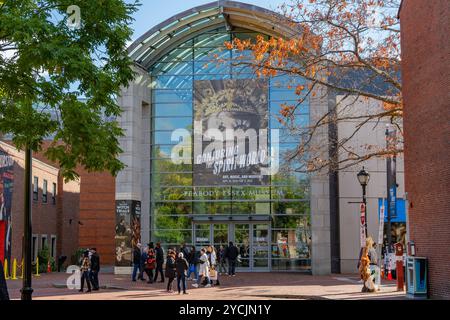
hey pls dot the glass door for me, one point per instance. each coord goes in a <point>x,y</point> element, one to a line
<point>202,235</point>
<point>242,242</point>
<point>260,247</point>
<point>220,235</point>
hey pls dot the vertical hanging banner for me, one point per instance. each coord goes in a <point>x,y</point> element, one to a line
<point>362,226</point>
<point>6,194</point>
<point>231,132</point>
<point>381,226</point>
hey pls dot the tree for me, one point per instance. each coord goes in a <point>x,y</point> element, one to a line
<point>351,47</point>
<point>61,82</point>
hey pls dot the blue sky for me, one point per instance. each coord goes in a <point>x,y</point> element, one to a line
<point>152,12</point>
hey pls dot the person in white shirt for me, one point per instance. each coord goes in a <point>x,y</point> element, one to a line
<point>204,269</point>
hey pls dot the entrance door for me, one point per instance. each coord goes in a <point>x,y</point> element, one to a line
<point>251,239</point>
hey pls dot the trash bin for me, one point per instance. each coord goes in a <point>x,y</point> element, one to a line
<point>61,260</point>
<point>417,277</point>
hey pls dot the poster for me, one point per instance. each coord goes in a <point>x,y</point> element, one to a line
<point>6,194</point>
<point>128,230</point>
<point>230,132</point>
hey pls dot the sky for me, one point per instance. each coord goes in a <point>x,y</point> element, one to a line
<point>152,12</point>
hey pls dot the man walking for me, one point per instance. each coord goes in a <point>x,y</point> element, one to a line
<point>231,254</point>
<point>159,262</point>
<point>95,269</point>
<point>136,261</point>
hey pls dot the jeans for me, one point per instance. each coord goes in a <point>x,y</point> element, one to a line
<point>222,266</point>
<point>85,276</point>
<point>231,267</point>
<point>136,267</point>
<point>159,269</point>
<point>195,271</point>
<point>94,279</point>
<point>181,279</point>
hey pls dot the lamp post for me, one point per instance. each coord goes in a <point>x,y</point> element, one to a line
<point>363,178</point>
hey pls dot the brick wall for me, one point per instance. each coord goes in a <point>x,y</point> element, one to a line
<point>97,214</point>
<point>425,34</point>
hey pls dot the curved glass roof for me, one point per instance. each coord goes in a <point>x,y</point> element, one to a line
<point>178,29</point>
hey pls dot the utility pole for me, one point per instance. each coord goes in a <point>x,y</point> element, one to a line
<point>27,290</point>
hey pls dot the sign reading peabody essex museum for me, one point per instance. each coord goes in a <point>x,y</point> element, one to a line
<point>230,132</point>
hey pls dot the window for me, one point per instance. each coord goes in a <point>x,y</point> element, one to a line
<point>54,194</point>
<point>43,241</point>
<point>35,188</point>
<point>44,191</point>
<point>53,247</point>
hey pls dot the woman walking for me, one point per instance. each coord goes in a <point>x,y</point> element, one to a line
<point>213,262</point>
<point>222,260</point>
<point>204,270</point>
<point>182,266</point>
<point>85,269</point>
<point>170,269</point>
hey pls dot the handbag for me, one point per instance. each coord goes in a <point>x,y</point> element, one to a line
<point>192,268</point>
<point>213,274</point>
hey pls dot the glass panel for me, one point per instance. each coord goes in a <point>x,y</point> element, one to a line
<point>165,137</point>
<point>171,193</point>
<point>172,82</point>
<point>172,237</point>
<point>172,68</point>
<point>251,207</point>
<point>296,121</point>
<point>291,264</point>
<point>292,207</point>
<point>242,241</point>
<point>172,123</point>
<point>163,221</point>
<point>291,222</point>
<point>220,235</point>
<point>172,179</point>
<point>172,109</point>
<point>173,96</point>
<point>260,235</point>
<point>211,208</point>
<point>202,235</point>
<point>277,106</point>
<point>171,208</point>
<point>168,166</point>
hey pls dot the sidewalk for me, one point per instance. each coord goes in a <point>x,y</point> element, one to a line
<point>250,286</point>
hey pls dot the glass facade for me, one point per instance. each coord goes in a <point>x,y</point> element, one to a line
<point>271,223</point>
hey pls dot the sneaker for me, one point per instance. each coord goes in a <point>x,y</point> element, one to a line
<point>185,293</point>
<point>208,286</point>
<point>195,285</point>
<point>233,275</point>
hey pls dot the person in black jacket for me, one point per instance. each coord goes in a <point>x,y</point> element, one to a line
<point>193,259</point>
<point>159,252</point>
<point>182,266</point>
<point>95,269</point>
<point>171,269</point>
<point>3,287</point>
<point>136,261</point>
<point>231,254</point>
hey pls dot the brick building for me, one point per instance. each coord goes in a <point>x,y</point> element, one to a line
<point>65,215</point>
<point>425,27</point>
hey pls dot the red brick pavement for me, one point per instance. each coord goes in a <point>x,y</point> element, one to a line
<point>250,286</point>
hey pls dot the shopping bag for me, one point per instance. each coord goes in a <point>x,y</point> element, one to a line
<point>213,274</point>
<point>192,268</point>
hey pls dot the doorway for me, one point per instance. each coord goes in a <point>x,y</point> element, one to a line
<point>251,239</point>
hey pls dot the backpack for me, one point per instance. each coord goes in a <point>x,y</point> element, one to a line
<point>150,263</point>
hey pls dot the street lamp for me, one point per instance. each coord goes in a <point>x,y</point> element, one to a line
<point>363,178</point>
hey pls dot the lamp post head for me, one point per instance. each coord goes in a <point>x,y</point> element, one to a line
<point>363,177</point>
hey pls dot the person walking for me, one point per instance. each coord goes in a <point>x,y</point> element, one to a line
<point>231,254</point>
<point>193,260</point>
<point>136,261</point>
<point>95,269</point>
<point>213,274</point>
<point>171,269</point>
<point>3,285</point>
<point>221,260</point>
<point>144,256</point>
<point>150,264</point>
<point>159,253</point>
<point>182,266</point>
<point>85,269</point>
<point>364,266</point>
<point>204,270</point>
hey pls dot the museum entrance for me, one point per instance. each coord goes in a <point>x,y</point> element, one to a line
<point>251,238</point>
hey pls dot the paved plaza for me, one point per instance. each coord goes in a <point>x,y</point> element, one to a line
<point>245,286</point>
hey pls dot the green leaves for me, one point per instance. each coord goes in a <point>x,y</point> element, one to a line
<point>61,82</point>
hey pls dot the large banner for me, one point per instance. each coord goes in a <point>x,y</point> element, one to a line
<point>230,132</point>
<point>6,194</point>
<point>128,230</point>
